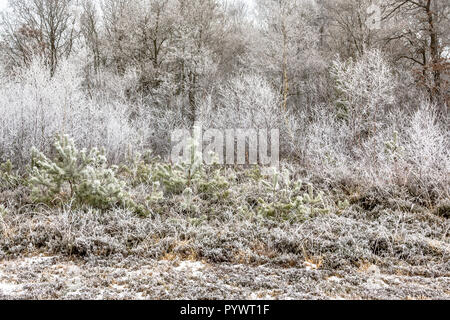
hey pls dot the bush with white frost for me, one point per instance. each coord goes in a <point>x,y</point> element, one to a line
<point>351,140</point>
<point>35,107</point>
<point>427,155</point>
<point>247,101</point>
<point>73,175</point>
<point>365,87</point>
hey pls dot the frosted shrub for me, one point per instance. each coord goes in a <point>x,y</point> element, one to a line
<point>427,153</point>
<point>321,142</point>
<point>191,179</point>
<point>175,178</point>
<point>248,101</point>
<point>287,199</point>
<point>159,123</point>
<point>328,141</point>
<point>215,187</point>
<point>35,107</point>
<point>245,101</point>
<point>364,87</point>
<point>393,148</point>
<point>187,204</point>
<point>172,177</point>
<point>79,175</point>
<point>412,153</point>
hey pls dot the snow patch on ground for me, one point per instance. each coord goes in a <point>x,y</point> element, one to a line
<point>8,289</point>
<point>196,268</point>
<point>138,279</point>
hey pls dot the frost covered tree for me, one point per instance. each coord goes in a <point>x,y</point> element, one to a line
<point>419,37</point>
<point>365,88</point>
<point>287,48</point>
<point>91,31</point>
<point>349,32</point>
<point>138,34</point>
<point>39,27</point>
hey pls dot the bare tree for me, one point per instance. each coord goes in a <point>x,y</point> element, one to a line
<point>199,31</point>
<point>90,30</point>
<point>421,37</point>
<point>45,27</point>
<point>288,44</point>
<point>138,35</point>
<point>348,33</point>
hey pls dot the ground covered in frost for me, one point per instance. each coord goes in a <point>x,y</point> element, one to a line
<point>54,277</point>
<point>382,254</point>
<point>220,233</point>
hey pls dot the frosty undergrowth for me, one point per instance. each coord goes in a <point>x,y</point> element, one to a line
<point>148,186</point>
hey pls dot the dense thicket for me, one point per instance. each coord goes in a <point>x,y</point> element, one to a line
<point>352,101</point>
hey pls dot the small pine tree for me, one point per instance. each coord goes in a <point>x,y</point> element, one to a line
<point>286,201</point>
<point>176,178</point>
<point>78,175</point>
<point>8,178</point>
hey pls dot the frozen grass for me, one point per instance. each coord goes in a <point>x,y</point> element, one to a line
<point>341,241</point>
<point>116,255</point>
<point>375,247</point>
<point>56,277</point>
<point>234,216</point>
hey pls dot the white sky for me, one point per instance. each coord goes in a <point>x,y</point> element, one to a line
<point>4,2</point>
